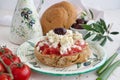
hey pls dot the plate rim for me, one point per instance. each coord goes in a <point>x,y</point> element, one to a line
<point>66,74</point>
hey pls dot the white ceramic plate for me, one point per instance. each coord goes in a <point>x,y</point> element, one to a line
<point>26,54</point>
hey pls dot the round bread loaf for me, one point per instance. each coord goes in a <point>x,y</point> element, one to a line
<point>63,61</point>
<point>61,14</point>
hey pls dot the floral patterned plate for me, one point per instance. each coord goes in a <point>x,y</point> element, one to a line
<point>26,54</point>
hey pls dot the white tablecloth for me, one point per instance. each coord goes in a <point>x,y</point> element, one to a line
<point>112,16</point>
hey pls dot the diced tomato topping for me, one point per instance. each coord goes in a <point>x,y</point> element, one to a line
<point>44,47</point>
<point>54,51</point>
<point>72,51</point>
<point>75,50</point>
<point>51,50</point>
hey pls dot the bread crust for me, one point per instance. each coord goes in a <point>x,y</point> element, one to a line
<point>63,61</point>
<point>61,14</point>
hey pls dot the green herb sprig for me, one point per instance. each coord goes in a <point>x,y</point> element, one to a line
<point>100,30</point>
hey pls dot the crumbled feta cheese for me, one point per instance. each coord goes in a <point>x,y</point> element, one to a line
<point>67,41</point>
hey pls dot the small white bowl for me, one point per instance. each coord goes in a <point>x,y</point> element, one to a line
<point>82,31</point>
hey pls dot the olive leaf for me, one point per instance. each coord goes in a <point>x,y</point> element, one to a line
<point>98,28</point>
<point>83,14</point>
<point>87,27</point>
<point>97,38</point>
<point>103,24</point>
<point>91,13</point>
<point>114,33</point>
<point>86,14</point>
<point>103,41</point>
<point>87,36</point>
<point>109,38</point>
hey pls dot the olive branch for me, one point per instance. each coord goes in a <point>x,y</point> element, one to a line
<point>100,30</point>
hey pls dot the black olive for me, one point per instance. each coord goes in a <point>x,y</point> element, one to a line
<point>60,31</point>
<point>77,26</point>
<point>80,21</point>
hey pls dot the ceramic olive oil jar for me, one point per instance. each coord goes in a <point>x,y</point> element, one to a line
<point>25,23</point>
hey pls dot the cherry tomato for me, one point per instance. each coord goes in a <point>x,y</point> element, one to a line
<point>5,76</point>
<point>2,68</point>
<point>21,71</point>
<point>5,50</point>
<point>9,59</point>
